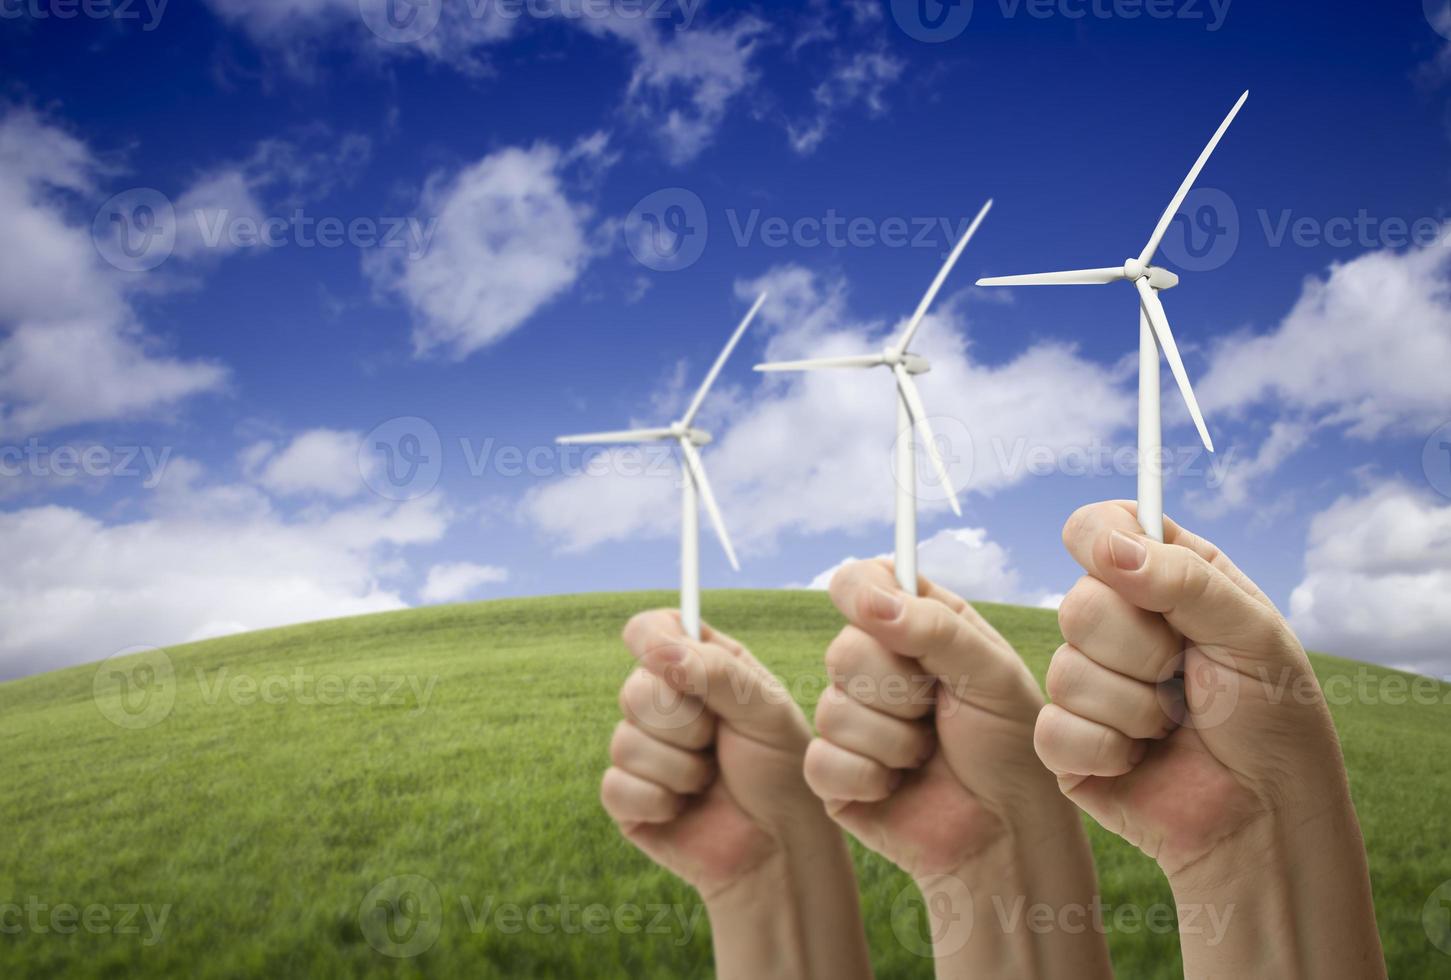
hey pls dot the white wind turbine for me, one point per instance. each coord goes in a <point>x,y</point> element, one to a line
<point>1154,335</point>
<point>911,414</point>
<point>694,485</point>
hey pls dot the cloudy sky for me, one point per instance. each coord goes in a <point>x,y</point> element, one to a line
<point>297,294</point>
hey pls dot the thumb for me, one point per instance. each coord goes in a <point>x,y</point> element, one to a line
<point>951,642</point>
<point>732,684</point>
<point>1196,598</point>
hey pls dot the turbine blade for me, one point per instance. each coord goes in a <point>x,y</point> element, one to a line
<point>855,361</point>
<point>697,473</point>
<point>915,408</point>
<point>602,438</point>
<point>1163,227</point>
<point>730,346</point>
<point>942,275</point>
<point>1079,277</point>
<point>1160,322</point>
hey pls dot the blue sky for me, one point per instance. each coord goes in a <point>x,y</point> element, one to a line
<point>519,154</point>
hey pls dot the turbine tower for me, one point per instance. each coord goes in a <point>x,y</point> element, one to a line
<point>694,486</point>
<point>1154,336</point>
<point>911,414</point>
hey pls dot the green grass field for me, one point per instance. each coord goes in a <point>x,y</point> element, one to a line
<point>261,820</point>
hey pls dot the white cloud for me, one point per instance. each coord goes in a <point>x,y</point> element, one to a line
<point>319,461</point>
<point>459,580</point>
<point>1367,347</point>
<point>206,560</point>
<point>508,241</point>
<point>1377,574</point>
<point>1242,480</point>
<point>812,454</point>
<point>279,177</point>
<point>864,78</point>
<point>295,28</point>
<point>685,80</point>
<point>74,349</point>
<point>962,560</point>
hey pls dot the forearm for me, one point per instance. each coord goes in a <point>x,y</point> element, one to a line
<point>796,916</point>
<point>1290,897</point>
<point>1026,907</point>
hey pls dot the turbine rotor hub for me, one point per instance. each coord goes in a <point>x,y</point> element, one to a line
<point>914,363</point>
<point>1160,279</point>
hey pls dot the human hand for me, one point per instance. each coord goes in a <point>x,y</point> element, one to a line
<point>926,755</point>
<point>706,781</point>
<point>1170,726</point>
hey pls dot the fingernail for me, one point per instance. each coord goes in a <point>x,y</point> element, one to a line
<point>884,605</point>
<point>1128,552</point>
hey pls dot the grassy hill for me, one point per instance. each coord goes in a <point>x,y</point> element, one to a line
<point>250,819</point>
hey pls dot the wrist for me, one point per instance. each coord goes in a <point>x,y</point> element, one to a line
<point>1025,906</point>
<point>796,914</point>
<point>1287,896</point>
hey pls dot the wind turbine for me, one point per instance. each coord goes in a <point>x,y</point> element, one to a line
<point>911,414</point>
<point>1154,335</point>
<point>694,485</point>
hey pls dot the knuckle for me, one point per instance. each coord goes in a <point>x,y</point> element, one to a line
<point>620,744</point>
<point>942,629</point>
<point>1047,734</point>
<point>829,713</point>
<point>841,655</point>
<point>1064,671</point>
<point>1194,579</point>
<point>1077,522</point>
<point>610,790</point>
<point>816,767</point>
<point>635,695</point>
<point>1081,611</point>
